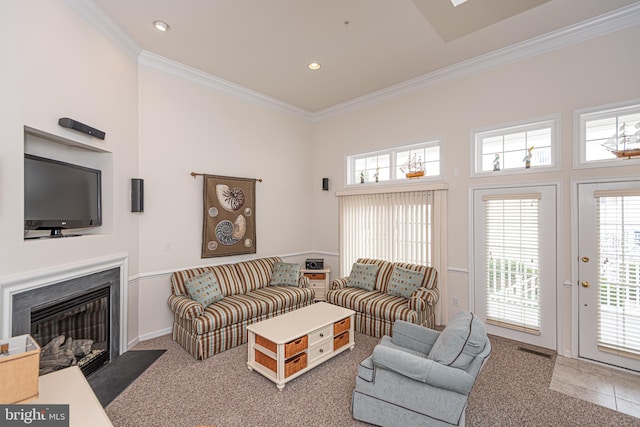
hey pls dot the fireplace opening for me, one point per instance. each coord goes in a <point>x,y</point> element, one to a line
<point>74,331</point>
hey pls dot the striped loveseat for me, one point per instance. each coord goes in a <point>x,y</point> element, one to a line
<point>377,310</point>
<point>248,298</point>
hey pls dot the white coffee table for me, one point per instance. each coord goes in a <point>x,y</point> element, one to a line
<point>284,347</point>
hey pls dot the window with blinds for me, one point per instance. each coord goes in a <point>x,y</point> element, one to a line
<point>618,222</point>
<point>513,261</point>
<point>394,226</point>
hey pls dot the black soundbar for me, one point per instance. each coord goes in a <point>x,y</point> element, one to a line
<point>66,122</point>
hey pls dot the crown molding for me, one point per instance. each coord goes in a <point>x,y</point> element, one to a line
<point>598,26</point>
<point>186,72</point>
<point>601,25</point>
<point>93,14</point>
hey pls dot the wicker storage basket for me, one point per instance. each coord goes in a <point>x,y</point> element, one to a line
<point>19,366</point>
<point>295,364</point>
<point>340,340</point>
<point>266,361</point>
<point>296,346</point>
<point>341,326</point>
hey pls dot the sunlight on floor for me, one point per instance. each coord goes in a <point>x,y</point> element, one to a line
<point>612,388</point>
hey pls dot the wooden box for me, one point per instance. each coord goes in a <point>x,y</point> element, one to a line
<point>19,367</point>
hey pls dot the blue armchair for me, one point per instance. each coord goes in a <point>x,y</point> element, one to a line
<point>420,376</point>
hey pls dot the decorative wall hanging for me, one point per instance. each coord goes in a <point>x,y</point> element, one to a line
<point>229,216</point>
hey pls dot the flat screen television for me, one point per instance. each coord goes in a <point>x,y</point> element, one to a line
<point>59,195</point>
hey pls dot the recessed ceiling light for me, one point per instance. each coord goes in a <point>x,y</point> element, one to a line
<point>161,26</point>
<point>457,2</point>
<point>314,66</point>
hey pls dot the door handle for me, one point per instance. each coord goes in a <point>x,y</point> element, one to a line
<point>585,259</point>
<point>585,284</point>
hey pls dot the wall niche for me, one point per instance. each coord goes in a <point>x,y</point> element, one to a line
<point>44,144</point>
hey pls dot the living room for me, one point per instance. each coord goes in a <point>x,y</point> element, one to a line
<point>164,120</point>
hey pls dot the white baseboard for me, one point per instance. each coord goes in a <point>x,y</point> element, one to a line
<point>131,344</point>
<point>155,334</point>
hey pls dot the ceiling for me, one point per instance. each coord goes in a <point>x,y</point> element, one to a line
<point>363,46</point>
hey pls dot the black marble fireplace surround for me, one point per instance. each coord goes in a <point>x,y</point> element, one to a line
<point>24,302</point>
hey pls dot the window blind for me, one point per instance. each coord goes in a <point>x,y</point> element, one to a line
<point>513,261</point>
<point>393,226</point>
<point>618,243</point>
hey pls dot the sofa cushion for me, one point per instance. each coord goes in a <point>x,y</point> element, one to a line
<point>204,288</point>
<point>430,278</point>
<point>363,276</point>
<point>226,275</point>
<point>460,341</point>
<point>285,274</point>
<point>240,307</point>
<point>352,298</point>
<point>384,272</point>
<point>388,308</point>
<point>404,282</point>
<point>255,274</point>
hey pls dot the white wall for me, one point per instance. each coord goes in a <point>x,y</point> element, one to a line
<point>161,127</point>
<point>592,73</point>
<point>54,64</point>
<point>187,126</point>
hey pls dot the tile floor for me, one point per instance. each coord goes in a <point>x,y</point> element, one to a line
<point>613,388</point>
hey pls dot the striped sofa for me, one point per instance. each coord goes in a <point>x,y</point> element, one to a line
<point>248,298</point>
<point>376,310</point>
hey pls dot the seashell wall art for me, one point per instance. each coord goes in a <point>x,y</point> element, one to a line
<point>229,224</point>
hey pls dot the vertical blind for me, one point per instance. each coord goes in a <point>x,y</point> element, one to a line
<point>618,243</point>
<point>395,226</point>
<point>513,261</point>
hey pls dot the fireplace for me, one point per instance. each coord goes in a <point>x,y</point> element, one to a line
<point>75,321</point>
<point>74,331</point>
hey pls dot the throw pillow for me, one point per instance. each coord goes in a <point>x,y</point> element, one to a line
<point>460,342</point>
<point>404,281</point>
<point>285,274</point>
<point>363,276</point>
<point>204,289</point>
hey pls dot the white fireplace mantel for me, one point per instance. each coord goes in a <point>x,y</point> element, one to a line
<point>15,284</point>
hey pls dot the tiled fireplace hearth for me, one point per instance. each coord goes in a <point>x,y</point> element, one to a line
<point>77,310</point>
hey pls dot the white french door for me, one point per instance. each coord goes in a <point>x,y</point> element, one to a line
<point>514,262</point>
<point>609,273</point>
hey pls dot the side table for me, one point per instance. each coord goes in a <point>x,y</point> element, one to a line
<point>319,281</point>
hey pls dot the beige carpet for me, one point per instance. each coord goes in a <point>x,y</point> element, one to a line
<point>512,390</point>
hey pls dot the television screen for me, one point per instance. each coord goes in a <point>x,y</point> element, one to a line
<point>59,195</point>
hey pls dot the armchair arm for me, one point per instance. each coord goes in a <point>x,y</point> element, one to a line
<point>339,283</point>
<point>422,369</point>
<point>423,297</point>
<point>414,337</point>
<point>303,281</point>
<point>185,307</point>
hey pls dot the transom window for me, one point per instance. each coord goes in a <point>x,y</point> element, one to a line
<point>514,149</point>
<point>605,135</point>
<point>423,160</point>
